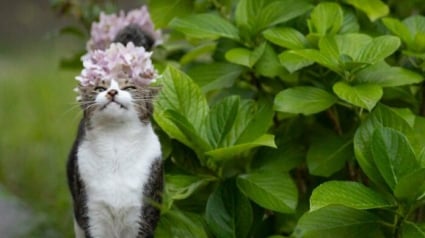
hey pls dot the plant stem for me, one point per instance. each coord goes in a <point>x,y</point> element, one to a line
<point>333,116</point>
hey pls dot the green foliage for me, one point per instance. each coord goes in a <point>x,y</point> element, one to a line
<point>287,118</point>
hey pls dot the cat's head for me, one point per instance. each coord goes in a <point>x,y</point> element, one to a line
<point>117,99</point>
<point>116,83</point>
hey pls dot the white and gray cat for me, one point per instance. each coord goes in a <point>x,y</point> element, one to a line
<point>114,169</point>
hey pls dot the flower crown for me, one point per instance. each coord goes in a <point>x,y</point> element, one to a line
<point>118,61</point>
<point>103,32</point>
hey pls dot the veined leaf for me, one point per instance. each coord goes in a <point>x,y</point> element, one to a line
<point>374,9</point>
<point>286,37</point>
<point>412,230</point>
<point>349,194</point>
<point>416,24</point>
<point>181,95</point>
<point>352,44</point>
<point>387,76</point>
<point>228,212</point>
<point>320,58</point>
<point>235,150</point>
<point>163,11</point>
<point>381,116</point>
<point>411,186</point>
<point>350,23</point>
<point>338,221</point>
<point>305,100</point>
<point>255,15</point>
<point>268,65</point>
<point>380,48</point>
<point>293,62</point>
<point>206,25</point>
<point>175,223</point>
<point>362,95</point>
<point>247,131</point>
<point>399,29</point>
<point>179,186</point>
<point>274,191</point>
<point>326,18</point>
<point>244,56</point>
<point>327,154</point>
<point>221,120</point>
<point>214,76</point>
<point>393,155</point>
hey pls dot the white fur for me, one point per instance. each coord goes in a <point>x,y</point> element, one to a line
<point>114,161</point>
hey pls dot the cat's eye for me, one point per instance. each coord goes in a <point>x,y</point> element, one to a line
<point>99,89</point>
<point>129,88</point>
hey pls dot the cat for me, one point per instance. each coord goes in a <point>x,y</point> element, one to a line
<point>114,169</point>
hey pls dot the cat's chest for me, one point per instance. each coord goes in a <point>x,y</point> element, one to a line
<point>115,166</point>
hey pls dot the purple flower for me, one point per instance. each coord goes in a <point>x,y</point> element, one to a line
<point>118,61</point>
<point>103,32</point>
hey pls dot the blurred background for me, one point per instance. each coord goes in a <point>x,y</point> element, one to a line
<point>38,117</point>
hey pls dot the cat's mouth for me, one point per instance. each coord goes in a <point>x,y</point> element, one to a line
<point>115,102</point>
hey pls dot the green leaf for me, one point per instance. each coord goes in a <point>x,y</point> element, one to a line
<point>203,50</point>
<point>411,186</point>
<point>251,122</point>
<point>338,221</point>
<point>183,97</point>
<point>399,29</point>
<point>256,15</point>
<point>239,56</point>
<point>228,212</point>
<point>387,76</point>
<point>246,10</point>
<point>277,12</point>
<point>349,194</point>
<point>412,230</point>
<point>293,62</point>
<point>416,24</point>
<point>286,37</point>
<point>268,65</point>
<point>178,186</point>
<point>326,18</point>
<point>320,58</point>
<point>197,141</point>
<point>352,44</point>
<point>374,9</point>
<point>217,75</point>
<point>206,25</point>
<point>381,116</point>
<point>174,223</point>
<point>221,120</point>
<point>274,191</point>
<point>281,159</point>
<point>327,154</point>
<point>235,150</point>
<point>350,23</point>
<point>244,56</point>
<point>380,48</point>
<point>393,155</point>
<point>362,95</point>
<point>163,11</point>
<point>305,100</point>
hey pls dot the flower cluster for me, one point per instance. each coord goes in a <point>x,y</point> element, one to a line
<point>103,32</point>
<point>118,61</point>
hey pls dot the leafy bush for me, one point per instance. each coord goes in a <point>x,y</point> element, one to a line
<point>291,118</point>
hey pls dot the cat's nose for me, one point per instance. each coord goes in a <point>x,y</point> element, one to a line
<point>112,92</point>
